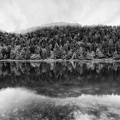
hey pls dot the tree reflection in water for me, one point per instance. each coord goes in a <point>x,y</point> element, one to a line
<point>62,79</point>
<point>62,91</point>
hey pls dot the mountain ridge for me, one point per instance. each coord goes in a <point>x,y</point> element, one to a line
<point>31,29</point>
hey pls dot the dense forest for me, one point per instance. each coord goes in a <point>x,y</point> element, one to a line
<point>62,42</point>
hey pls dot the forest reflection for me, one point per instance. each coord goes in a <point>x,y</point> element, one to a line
<point>62,79</point>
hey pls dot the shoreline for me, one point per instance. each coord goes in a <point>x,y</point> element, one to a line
<point>61,60</point>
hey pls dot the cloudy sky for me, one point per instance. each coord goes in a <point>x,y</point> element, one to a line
<point>18,15</point>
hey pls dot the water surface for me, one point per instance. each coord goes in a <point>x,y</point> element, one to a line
<point>59,91</point>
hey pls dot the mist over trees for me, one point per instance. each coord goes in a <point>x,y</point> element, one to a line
<point>62,42</point>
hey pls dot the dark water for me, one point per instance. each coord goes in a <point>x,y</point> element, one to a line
<point>59,91</point>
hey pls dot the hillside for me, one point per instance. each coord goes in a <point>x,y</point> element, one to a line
<point>61,41</point>
<point>51,25</point>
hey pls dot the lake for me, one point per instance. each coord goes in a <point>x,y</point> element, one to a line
<point>61,90</point>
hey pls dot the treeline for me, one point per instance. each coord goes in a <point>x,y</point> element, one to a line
<point>62,42</point>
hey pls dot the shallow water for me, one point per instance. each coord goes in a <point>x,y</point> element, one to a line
<point>59,91</point>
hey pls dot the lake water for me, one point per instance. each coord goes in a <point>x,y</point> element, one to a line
<point>60,90</point>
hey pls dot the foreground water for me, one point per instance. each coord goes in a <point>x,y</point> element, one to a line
<point>59,91</point>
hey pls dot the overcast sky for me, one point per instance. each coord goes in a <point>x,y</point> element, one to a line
<point>17,15</point>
